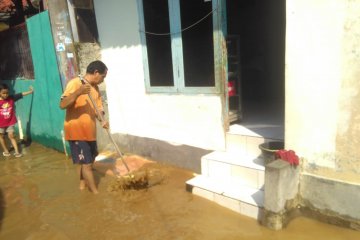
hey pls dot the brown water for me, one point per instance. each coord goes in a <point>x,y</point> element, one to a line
<point>40,200</point>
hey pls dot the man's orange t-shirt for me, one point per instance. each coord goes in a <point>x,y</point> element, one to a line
<point>80,120</point>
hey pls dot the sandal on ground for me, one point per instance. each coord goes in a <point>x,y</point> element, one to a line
<point>17,155</point>
<point>6,154</point>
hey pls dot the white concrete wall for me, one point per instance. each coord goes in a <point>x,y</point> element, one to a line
<point>322,103</point>
<point>322,83</point>
<point>313,78</point>
<point>193,120</point>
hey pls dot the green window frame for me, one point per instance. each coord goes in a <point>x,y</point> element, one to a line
<point>167,47</point>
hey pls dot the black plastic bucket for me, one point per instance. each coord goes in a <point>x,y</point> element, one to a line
<point>268,150</point>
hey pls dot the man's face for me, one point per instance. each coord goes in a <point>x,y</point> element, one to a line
<point>100,77</point>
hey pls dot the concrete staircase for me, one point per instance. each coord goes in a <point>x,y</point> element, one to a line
<point>234,178</point>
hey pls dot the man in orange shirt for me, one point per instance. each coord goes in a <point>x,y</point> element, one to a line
<point>80,120</point>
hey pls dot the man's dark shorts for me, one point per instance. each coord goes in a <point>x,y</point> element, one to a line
<point>83,152</point>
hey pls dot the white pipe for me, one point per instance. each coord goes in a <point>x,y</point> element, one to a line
<point>21,134</point>
<point>63,140</point>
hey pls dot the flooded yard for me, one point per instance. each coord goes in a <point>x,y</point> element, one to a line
<point>40,199</point>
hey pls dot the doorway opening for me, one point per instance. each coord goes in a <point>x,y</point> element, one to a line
<point>259,28</point>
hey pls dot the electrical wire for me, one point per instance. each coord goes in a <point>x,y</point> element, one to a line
<point>181,30</point>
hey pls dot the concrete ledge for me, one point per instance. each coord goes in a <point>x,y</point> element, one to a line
<point>330,200</point>
<point>182,156</point>
<point>288,195</point>
<point>330,194</point>
<point>281,185</point>
<point>278,221</point>
<point>281,193</point>
<point>330,218</point>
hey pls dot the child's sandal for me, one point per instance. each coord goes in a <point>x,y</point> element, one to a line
<point>17,155</point>
<point>6,154</point>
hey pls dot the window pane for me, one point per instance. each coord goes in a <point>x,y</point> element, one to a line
<point>156,16</point>
<point>197,43</point>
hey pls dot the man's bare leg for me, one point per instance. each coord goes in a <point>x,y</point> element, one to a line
<point>88,175</point>
<point>82,185</point>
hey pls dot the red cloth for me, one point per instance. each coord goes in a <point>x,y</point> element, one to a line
<point>288,155</point>
<point>231,88</point>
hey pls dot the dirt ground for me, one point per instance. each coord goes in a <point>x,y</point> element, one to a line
<point>40,199</point>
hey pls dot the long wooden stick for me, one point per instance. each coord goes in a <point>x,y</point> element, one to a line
<point>107,130</point>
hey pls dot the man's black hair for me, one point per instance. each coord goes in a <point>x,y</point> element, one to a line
<point>96,66</point>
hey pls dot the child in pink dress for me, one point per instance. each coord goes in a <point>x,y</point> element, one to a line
<point>8,118</point>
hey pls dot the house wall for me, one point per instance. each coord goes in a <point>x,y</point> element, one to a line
<point>322,87</point>
<point>176,119</point>
<point>322,101</point>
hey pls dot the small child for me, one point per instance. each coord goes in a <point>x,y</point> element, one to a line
<point>8,117</point>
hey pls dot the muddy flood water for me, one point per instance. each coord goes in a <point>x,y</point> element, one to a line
<point>40,199</point>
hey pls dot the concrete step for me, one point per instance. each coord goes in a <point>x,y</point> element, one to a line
<point>234,196</point>
<point>233,167</point>
<point>244,140</point>
<point>235,178</point>
<point>244,144</point>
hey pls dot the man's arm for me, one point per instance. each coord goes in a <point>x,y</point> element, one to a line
<point>69,100</point>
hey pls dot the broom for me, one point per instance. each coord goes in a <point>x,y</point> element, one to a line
<point>107,130</point>
<point>138,180</point>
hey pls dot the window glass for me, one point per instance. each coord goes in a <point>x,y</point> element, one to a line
<point>156,20</point>
<point>197,43</point>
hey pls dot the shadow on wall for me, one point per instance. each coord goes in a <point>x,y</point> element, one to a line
<point>117,23</point>
<point>27,139</point>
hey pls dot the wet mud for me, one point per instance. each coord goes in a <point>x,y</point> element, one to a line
<point>40,199</point>
<point>129,171</point>
<point>143,178</point>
